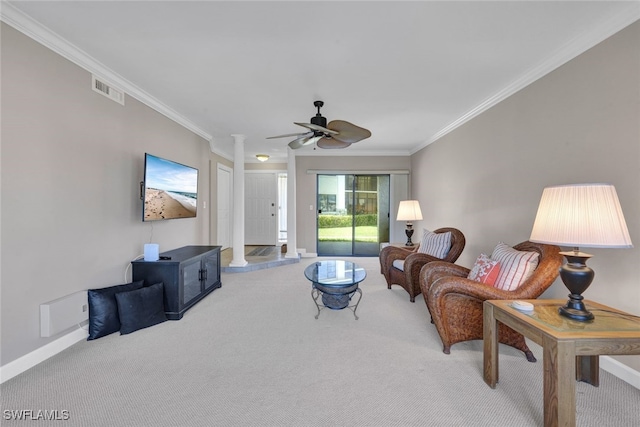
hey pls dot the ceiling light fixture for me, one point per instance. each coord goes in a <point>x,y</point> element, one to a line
<point>262,157</point>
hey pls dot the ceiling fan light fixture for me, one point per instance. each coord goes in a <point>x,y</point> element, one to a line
<point>262,157</point>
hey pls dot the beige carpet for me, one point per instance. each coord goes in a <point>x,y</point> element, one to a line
<point>252,354</point>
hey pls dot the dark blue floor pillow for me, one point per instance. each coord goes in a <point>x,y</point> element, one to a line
<point>141,308</point>
<point>103,309</point>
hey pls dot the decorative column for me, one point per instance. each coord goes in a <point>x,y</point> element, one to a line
<point>238,203</point>
<point>292,251</point>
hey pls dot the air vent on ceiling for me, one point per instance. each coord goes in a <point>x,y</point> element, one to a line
<point>107,90</point>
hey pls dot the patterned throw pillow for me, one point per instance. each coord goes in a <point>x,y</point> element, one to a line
<point>435,244</point>
<point>485,270</point>
<point>515,266</point>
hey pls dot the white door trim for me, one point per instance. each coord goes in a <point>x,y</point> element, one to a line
<point>224,211</point>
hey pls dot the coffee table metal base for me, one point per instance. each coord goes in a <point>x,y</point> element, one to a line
<point>335,301</point>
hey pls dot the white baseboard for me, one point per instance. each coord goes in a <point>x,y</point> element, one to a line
<point>620,370</point>
<point>41,354</point>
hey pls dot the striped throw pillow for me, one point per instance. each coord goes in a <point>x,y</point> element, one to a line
<point>435,244</point>
<point>515,266</point>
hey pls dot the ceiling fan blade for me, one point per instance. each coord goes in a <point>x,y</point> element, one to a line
<point>295,144</point>
<point>285,136</point>
<point>301,140</point>
<point>316,128</point>
<point>331,143</point>
<point>348,132</point>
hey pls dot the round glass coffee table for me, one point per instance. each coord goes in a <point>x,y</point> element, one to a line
<point>335,282</point>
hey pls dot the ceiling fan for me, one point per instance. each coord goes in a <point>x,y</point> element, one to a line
<point>335,134</point>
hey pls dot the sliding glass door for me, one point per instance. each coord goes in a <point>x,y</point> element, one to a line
<point>353,214</point>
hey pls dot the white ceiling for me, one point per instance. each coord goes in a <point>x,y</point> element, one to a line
<point>408,71</point>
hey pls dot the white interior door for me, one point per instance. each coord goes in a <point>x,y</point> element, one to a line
<point>225,205</point>
<point>260,208</point>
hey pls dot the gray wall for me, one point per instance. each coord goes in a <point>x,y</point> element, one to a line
<point>580,123</point>
<point>71,165</point>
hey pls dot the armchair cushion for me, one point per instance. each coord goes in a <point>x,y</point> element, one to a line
<point>515,266</point>
<point>399,264</point>
<point>485,270</point>
<point>435,244</point>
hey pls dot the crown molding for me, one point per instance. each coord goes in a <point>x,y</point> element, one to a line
<point>358,172</point>
<point>213,147</point>
<point>348,153</point>
<point>36,31</point>
<point>564,54</point>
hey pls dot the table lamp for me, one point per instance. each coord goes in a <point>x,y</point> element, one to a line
<point>409,210</point>
<point>587,215</point>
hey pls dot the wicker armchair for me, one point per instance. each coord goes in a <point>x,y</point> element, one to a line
<point>414,261</point>
<point>455,302</point>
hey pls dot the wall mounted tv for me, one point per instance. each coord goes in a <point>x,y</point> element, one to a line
<point>170,189</point>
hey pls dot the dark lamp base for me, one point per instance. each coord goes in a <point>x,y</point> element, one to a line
<point>572,313</point>
<point>577,277</point>
<point>409,233</point>
<point>575,309</point>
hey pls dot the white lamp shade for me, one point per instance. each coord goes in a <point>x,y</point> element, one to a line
<point>581,215</point>
<point>409,210</point>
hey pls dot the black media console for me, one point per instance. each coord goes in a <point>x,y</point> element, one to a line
<point>189,274</point>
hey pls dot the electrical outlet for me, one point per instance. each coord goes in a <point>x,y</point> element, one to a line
<point>84,308</point>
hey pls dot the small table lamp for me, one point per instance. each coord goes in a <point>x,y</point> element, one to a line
<point>587,215</point>
<point>409,210</point>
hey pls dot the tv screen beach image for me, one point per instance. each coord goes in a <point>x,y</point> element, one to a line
<point>171,190</point>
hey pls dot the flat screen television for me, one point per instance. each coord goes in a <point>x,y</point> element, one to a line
<point>170,189</point>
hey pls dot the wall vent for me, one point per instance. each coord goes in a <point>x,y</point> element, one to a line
<point>107,90</point>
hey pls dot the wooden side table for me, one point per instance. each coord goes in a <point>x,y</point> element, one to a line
<point>570,348</point>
